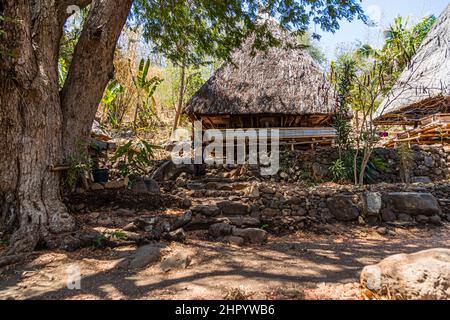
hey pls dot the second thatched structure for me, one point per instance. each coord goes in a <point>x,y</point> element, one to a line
<point>281,88</point>
<point>421,97</point>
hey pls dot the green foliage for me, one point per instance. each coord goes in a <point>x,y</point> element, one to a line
<point>342,170</point>
<point>189,33</point>
<point>112,106</point>
<point>100,241</point>
<point>342,75</point>
<point>305,40</point>
<point>134,157</point>
<point>119,235</point>
<point>71,34</point>
<point>265,227</point>
<point>79,164</point>
<point>339,171</point>
<point>146,107</point>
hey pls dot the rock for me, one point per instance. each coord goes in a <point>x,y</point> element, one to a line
<point>144,185</point>
<point>387,215</point>
<point>207,210</point>
<point>421,179</point>
<point>423,275</point>
<point>145,255</point>
<point>178,235</point>
<point>422,219</point>
<point>404,217</point>
<point>269,212</point>
<point>435,220</point>
<point>237,241</point>
<point>413,203</point>
<point>170,171</point>
<point>372,203</point>
<point>253,192</point>
<point>117,184</point>
<point>130,227</point>
<point>428,161</point>
<point>196,186</point>
<point>342,208</point>
<point>220,230</point>
<point>233,208</point>
<point>182,221</point>
<point>177,260</point>
<point>382,230</point>
<point>242,221</point>
<point>97,186</point>
<point>251,235</point>
<point>283,175</point>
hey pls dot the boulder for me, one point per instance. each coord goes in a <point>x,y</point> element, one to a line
<point>413,203</point>
<point>342,208</point>
<point>251,235</point>
<point>424,275</point>
<point>435,220</point>
<point>144,185</point>
<point>170,171</point>
<point>372,203</point>
<point>177,260</point>
<point>233,208</point>
<point>387,215</point>
<point>237,241</point>
<point>144,256</point>
<point>220,229</point>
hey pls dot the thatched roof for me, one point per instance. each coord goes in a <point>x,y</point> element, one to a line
<point>424,87</point>
<point>280,81</point>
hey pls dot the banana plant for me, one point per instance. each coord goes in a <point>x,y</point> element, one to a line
<point>113,90</point>
<point>146,88</point>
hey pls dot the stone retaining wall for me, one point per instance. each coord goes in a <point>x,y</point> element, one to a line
<point>430,163</point>
<point>286,206</point>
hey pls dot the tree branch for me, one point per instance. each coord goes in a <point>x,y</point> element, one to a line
<point>91,69</point>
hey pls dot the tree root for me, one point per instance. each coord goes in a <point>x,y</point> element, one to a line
<point>12,259</point>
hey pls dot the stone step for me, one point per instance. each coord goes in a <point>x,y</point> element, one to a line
<point>204,193</point>
<point>235,186</point>
<point>221,208</point>
<point>204,223</point>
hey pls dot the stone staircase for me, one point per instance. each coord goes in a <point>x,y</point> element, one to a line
<point>223,206</point>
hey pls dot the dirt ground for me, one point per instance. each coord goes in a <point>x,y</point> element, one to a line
<point>299,266</point>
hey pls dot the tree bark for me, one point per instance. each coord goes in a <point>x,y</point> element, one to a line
<point>30,124</point>
<point>34,120</point>
<point>91,69</point>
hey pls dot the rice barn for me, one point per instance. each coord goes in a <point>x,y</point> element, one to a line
<point>281,88</point>
<point>420,99</point>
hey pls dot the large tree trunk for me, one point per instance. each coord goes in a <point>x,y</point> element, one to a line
<point>30,124</point>
<point>32,117</point>
<point>91,69</point>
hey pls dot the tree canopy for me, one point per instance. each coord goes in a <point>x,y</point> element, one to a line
<point>189,31</point>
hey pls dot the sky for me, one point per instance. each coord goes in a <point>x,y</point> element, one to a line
<point>383,12</point>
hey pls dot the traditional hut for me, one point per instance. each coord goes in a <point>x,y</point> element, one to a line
<point>281,88</point>
<point>421,97</point>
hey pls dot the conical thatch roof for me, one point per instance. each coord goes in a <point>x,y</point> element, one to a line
<point>280,81</point>
<point>424,87</point>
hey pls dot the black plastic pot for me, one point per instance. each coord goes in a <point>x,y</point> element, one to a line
<point>100,175</point>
